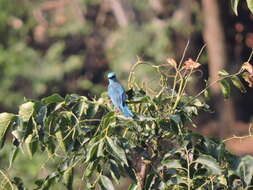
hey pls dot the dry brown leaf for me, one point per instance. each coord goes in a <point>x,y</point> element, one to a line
<point>248,67</point>
<point>190,64</point>
<point>248,78</point>
<point>172,62</point>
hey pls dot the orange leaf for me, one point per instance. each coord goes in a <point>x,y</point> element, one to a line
<point>248,67</point>
<point>190,64</point>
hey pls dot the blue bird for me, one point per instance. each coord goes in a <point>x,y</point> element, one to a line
<point>118,95</point>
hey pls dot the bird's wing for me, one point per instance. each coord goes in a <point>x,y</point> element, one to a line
<point>117,94</point>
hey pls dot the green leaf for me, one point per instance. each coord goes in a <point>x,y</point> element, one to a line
<point>68,178</point>
<point>149,182</point>
<point>31,145</point>
<point>234,4</point>
<point>90,169</point>
<point>18,183</point>
<point>115,172</point>
<point>238,84</point>
<point>250,5</point>
<point>5,120</point>
<point>18,134</point>
<point>100,152</point>
<point>210,163</point>
<point>197,103</point>
<point>60,140</point>
<point>191,110</point>
<point>223,73</point>
<point>26,110</point>
<point>106,183</point>
<point>176,119</point>
<point>80,108</point>
<point>50,145</point>
<point>13,156</point>
<point>41,115</point>
<point>171,163</point>
<point>225,88</point>
<point>174,180</point>
<point>89,186</point>
<point>92,110</point>
<point>47,182</point>
<point>108,120</point>
<point>55,98</point>
<point>117,150</point>
<point>92,151</point>
<point>245,169</point>
<point>133,186</point>
<point>207,94</point>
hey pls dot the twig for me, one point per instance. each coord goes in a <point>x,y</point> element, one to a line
<point>237,137</point>
<point>183,56</point>
<point>251,54</point>
<point>7,178</point>
<point>200,52</point>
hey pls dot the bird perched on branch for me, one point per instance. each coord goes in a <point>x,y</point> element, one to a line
<point>118,95</point>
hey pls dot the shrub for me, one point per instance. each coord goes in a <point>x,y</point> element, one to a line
<point>157,150</point>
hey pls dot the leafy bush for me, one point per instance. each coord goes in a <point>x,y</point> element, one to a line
<point>157,151</point>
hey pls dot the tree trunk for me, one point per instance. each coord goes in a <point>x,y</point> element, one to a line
<point>216,48</point>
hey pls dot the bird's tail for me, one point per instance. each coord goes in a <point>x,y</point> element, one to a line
<point>127,112</point>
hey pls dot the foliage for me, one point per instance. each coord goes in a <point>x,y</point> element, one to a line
<point>76,42</point>
<point>21,62</point>
<point>235,3</point>
<point>157,150</point>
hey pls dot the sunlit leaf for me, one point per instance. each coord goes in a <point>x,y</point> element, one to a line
<point>18,134</point>
<point>117,150</point>
<point>225,88</point>
<point>133,186</point>
<point>207,93</point>
<point>31,145</point>
<point>80,108</point>
<point>106,183</point>
<point>223,73</point>
<point>250,5</point>
<point>92,152</point>
<point>245,169</point>
<point>26,110</point>
<point>5,120</point>
<point>191,110</point>
<point>150,179</point>
<point>238,84</point>
<point>176,118</point>
<point>210,163</point>
<point>234,4</point>
<point>100,152</point>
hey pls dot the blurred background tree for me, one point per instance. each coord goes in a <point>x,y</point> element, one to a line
<point>68,46</point>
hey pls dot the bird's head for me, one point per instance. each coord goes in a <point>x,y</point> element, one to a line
<point>111,75</point>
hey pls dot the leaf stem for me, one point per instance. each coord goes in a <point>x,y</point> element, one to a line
<point>251,54</point>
